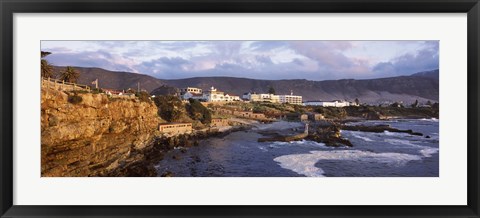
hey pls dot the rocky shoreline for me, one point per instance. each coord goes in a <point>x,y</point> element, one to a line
<point>156,150</point>
<point>329,132</point>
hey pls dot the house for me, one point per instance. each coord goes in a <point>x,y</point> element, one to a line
<point>191,90</point>
<point>315,116</point>
<point>175,128</point>
<point>213,95</point>
<point>112,92</point>
<point>231,97</point>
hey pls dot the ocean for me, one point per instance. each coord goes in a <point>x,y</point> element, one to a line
<point>385,154</point>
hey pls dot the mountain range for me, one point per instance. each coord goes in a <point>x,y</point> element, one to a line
<point>421,86</point>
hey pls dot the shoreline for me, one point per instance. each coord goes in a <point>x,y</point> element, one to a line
<point>160,145</point>
<point>330,136</point>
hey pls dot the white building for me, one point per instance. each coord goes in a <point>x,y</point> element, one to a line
<point>291,99</point>
<point>335,103</point>
<point>213,95</point>
<point>262,97</point>
<point>191,90</point>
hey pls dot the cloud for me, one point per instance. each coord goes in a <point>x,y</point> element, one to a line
<point>314,60</point>
<point>426,58</point>
<point>100,59</point>
<point>332,63</point>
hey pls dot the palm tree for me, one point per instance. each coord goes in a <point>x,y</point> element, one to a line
<point>46,68</point>
<point>70,75</point>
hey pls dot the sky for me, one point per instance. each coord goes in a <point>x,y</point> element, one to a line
<point>312,60</point>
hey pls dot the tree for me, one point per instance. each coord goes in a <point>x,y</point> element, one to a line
<point>429,103</point>
<point>199,112</point>
<point>168,107</point>
<point>414,105</point>
<point>46,68</point>
<point>70,75</point>
<point>271,90</point>
<point>357,102</point>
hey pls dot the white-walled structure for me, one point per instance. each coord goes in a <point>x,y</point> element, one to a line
<point>261,97</point>
<point>213,95</point>
<point>291,99</point>
<point>191,90</point>
<point>335,103</point>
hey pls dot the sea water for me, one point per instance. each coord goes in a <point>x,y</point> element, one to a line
<point>385,154</point>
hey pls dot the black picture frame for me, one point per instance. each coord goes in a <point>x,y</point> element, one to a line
<point>9,7</point>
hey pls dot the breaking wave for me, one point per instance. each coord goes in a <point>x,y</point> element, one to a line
<point>304,164</point>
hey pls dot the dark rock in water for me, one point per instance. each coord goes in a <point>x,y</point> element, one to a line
<point>167,174</point>
<point>378,129</point>
<point>330,136</point>
<point>427,137</point>
<point>196,143</point>
<point>183,150</point>
<point>176,157</point>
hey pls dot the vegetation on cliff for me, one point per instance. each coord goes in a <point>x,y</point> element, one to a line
<point>199,112</point>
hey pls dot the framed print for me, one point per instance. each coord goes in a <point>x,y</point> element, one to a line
<point>239,109</point>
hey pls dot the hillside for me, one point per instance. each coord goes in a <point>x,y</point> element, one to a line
<point>114,80</point>
<point>404,88</point>
<point>423,86</point>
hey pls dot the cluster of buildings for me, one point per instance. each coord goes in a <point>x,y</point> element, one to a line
<point>335,103</point>
<point>290,99</point>
<point>214,95</point>
<point>211,95</point>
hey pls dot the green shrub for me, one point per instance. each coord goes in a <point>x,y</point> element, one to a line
<point>197,111</point>
<point>75,99</point>
<point>143,96</point>
<point>168,107</point>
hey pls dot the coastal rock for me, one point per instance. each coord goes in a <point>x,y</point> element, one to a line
<point>95,137</point>
<point>331,136</point>
<point>378,129</point>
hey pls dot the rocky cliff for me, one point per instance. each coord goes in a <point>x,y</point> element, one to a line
<point>91,135</point>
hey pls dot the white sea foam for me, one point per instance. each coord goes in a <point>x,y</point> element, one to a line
<point>424,150</point>
<point>388,133</point>
<point>263,148</point>
<point>400,142</point>
<point>431,119</point>
<point>304,164</point>
<point>427,152</point>
<point>357,135</point>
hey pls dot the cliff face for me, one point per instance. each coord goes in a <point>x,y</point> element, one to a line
<point>94,137</point>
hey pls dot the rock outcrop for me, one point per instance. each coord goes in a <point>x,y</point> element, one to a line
<point>93,135</point>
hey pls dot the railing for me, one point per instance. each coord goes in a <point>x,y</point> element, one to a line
<point>64,86</point>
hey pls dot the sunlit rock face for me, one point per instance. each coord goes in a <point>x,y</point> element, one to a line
<point>94,137</point>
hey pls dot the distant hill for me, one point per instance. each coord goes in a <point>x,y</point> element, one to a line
<point>423,86</point>
<point>430,74</point>
<point>114,80</point>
